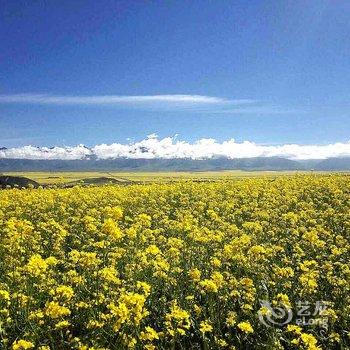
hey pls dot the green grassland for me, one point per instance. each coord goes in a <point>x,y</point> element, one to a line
<point>59,178</point>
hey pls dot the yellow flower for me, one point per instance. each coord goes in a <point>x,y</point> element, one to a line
<point>177,320</point>
<point>65,292</point>
<point>231,318</point>
<point>282,299</point>
<point>197,309</point>
<point>55,310</point>
<point>215,262</point>
<point>145,287</point>
<point>218,279</point>
<point>94,324</point>
<point>148,265</point>
<point>334,337</point>
<point>194,274</point>
<point>153,250</point>
<point>205,327</point>
<point>222,343</point>
<point>293,328</point>
<point>309,341</point>
<point>245,327</point>
<point>4,295</point>
<point>110,274</point>
<point>111,229</point>
<point>257,250</point>
<point>22,345</point>
<point>209,285</point>
<point>308,281</point>
<point>62,324</point>
<point>116,213</point>
<point>82,305</point>
<point>36,265</point>
<point>149,334</point>
<point>150,347</point>
<point>129,309</point>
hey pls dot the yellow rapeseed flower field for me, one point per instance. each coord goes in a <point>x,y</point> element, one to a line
<point>177,266</point>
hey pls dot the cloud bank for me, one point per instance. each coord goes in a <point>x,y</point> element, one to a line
<point>171,148</point>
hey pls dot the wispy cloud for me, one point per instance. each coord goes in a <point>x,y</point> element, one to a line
<point>170,148</point>
<point>256,110</point>
<point>46,99</point>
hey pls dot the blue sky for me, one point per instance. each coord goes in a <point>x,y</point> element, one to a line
<point>271,72</point>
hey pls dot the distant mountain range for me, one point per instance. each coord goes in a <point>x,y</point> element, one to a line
<point>127,164</point>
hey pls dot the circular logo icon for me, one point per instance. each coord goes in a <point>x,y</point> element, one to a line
<point>273,315</point>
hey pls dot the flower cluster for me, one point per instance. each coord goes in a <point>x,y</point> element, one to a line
<point>179,265</point>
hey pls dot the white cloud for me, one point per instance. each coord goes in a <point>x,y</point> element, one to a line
<point>116,99</point>
<point>31,152</point>
<point>170,147</point>
<point>256,110</point>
